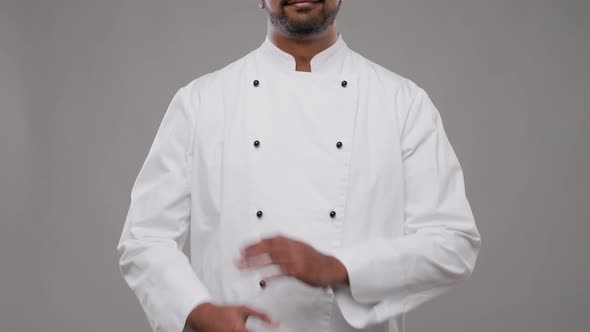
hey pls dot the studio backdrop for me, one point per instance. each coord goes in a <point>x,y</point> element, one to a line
<point>84,85</point>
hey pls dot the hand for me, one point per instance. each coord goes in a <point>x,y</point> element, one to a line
<point>295,259</point>
<point>208,317</point>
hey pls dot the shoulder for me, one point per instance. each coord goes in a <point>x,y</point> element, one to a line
<point>387,80</point>
<point>220,77</point>
<point>211,86</point>
<point>399,92</point>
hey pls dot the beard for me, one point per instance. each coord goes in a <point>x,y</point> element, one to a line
<point>303,26</point>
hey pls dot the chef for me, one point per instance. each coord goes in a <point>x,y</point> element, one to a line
<point>319,189</point>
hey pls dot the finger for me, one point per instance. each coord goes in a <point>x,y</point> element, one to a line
<point>254,260</point>
<point>247,311</point>
<point>259,248</point>
<point>261,261</point>
<point>253,263</point>
<point>273,246</point>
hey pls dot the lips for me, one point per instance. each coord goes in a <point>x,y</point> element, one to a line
<point>291,2</point>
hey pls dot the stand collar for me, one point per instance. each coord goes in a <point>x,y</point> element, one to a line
<point>328,60</point>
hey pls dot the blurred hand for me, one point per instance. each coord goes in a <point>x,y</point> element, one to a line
<point>294,259</point>
<point>209,317</point>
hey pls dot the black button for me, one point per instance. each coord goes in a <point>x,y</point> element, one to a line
<point>344,83</point>
<point>256,143</point>
<point>332,214</point>
<point>259,214</point>
<point>256,82</point>
<point>262,283</point>
<point>339,145</point>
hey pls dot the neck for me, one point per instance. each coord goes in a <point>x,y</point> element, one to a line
<point>303,49</point>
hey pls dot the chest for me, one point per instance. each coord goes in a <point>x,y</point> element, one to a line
<point>295,154</point>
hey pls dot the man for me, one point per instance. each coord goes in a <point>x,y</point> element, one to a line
<point>320,190</point>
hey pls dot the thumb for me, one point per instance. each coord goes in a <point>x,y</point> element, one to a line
<point>247,311</point>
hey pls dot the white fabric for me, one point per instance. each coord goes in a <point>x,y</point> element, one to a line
<point>403,227</point>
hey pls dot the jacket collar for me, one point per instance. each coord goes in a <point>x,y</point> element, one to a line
<point>330,59</point>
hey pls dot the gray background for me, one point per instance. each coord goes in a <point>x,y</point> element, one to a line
<point>84,84</point>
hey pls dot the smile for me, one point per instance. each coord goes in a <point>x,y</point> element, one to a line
<point>302,3</point>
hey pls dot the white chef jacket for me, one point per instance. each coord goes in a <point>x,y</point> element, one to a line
<point>351,158</point>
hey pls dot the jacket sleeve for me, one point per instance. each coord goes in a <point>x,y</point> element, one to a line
<point>391,276</point>
<point>156,227</point>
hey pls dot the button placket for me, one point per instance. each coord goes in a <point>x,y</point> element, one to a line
<point>342,133</point>
<point>338,222</point>
<point>259,213</point>
<point>256,144</point>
